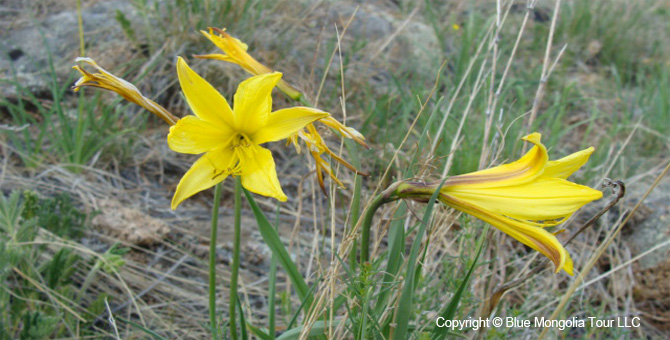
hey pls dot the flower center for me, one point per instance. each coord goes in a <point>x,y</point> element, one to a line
<point>238,144</point>
<point>239,140</point>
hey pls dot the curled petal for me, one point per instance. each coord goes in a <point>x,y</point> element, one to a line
<point>235,51</point>
<point>534,237</point>
<point>258,172</point>
<point>205,101</point>
<point>344,130</point>
<point>211,169</point>
<point>321,166</point>
<point>528,167</point>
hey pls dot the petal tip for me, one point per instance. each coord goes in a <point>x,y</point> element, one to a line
<point>174,204</point>
<point>534,138</point>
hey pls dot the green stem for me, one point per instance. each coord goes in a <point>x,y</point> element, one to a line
<point>236,258</point>
<point>273,285</point>
<point>212,261</point>
<point>394,192</point>
<point>367,223</point>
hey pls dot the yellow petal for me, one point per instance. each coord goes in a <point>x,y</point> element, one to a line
<point>258,172</point>
<point>544,201</point>
<point>235,50</point>
<point>566,166</point>
<point>253,102</point>
<point>346,131</point>
<point>534,237</point>
<point>211,169</point>
<point>195,136</point>
<point>527,168</point>
<point>236,53</point>
<point>229,45</point>
<point>283,123</point>
<point>322,165</point>
<point>205,101</point>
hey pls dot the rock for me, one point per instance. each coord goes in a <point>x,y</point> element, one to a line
<point>377,41</point>
<point>129,225</point>
<point>29,44</point>
<point>652,272</point>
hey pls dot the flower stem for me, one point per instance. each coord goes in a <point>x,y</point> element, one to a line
<point>212,261</point>
<point>394,192</point>
<point>367,223</point>
<point>235,267</point>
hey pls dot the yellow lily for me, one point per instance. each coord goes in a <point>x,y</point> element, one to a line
<point>520,198</point>
<point>235,51</point>
<point>230,138</point>
<point>108,81</point>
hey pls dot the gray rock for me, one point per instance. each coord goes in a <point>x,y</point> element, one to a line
<point>27,46</point>
<point>653,228</point>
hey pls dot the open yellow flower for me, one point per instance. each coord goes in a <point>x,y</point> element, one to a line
<point>108,81</point>
<point>520,198</point>
<point>230,138</point>
<point>235,51</point>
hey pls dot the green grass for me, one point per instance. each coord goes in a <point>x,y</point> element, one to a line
<point>54,131</point>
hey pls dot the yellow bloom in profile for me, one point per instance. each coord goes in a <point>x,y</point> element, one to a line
<point>230,138</point>
<point>520,198</point>
<point>108,81</point>
<point>235,51</point>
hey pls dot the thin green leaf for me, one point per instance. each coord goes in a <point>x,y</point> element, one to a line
<point>318,328</point>
<point>396,248</point>
<point>243,322</point>
<point>405,304</point>
<point>275,244</point>
<point>259,332</point>
<point>449,311</point>
<point>143,329</point>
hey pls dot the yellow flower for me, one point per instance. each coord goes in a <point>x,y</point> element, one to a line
<point>230,138</point>
<point>521,198</point>
<point>108,81</point>
<point>236,53</point>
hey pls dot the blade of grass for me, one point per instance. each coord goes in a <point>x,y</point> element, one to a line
<point>318,328</point>
<point>260,333</point>
<point>396,244</point>
<point>405,305</point>
<point>273,284</point>
<point>449,310</point>
<point>243,321</point>
<point>149,332</point>
<point>275,244</point>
